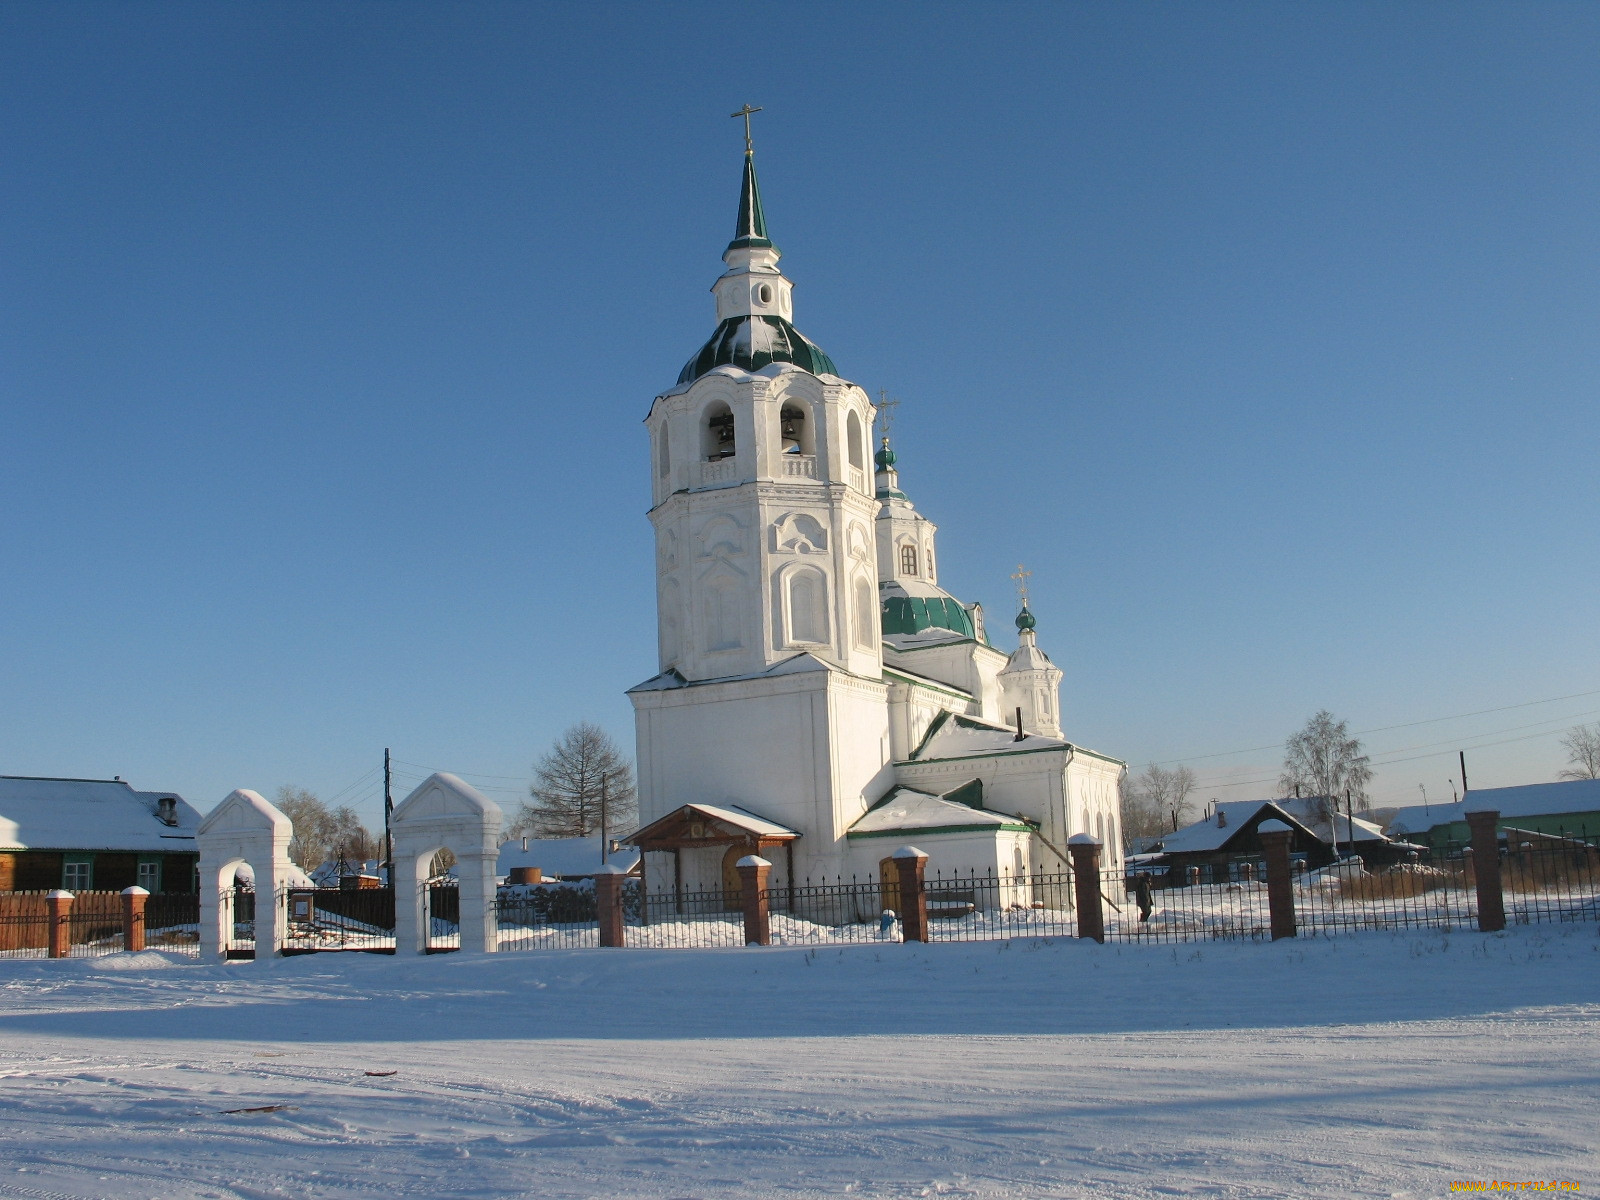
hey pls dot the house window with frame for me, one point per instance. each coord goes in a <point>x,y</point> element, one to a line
<point>77,876</point>
<point>150,877</point>
<point>908,560</point>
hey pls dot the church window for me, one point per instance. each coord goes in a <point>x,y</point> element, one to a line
<point>866,616</point>
<point>663,455</point>
<point>764,293</point>
<point>908,560</point>
<point>718,441</point>
<point>858,452</point>
<point>808,607</point>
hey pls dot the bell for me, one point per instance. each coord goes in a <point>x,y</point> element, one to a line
<point>789,428</point>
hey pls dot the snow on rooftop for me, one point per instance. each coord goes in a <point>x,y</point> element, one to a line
<point>962,736</point>
<point>1524,800</point>
<point>561,857</point>
<point>908,809</point>
<point>1206,834</point>
<point>90,814</point>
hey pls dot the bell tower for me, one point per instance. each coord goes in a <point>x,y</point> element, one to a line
<point>762,500</point>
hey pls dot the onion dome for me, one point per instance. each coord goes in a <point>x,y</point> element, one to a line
<point>1025,619</point>
<point>752,342</point>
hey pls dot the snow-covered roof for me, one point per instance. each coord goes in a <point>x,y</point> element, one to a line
<point>1524,800</point>
<point>905,809</point>
<point>1302,812</point>
<point>561,857</point>
<point>733,815</point>
<point>91,814</point>
<point>953,736</point>
<point>799,664</point>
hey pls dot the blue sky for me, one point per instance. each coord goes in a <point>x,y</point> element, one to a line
<point>1264,334</point>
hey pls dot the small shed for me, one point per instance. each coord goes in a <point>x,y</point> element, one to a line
<point>694,835</point>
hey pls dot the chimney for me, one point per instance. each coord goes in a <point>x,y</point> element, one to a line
<point>167,810</point>
<point>524,841</point>
<point>1222,818</point>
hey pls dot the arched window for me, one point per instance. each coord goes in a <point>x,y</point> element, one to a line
<point>908,560</point>
<point>867,623</point>
<point>717,440</point>
<point>858,453</point>
<point>722,615</point>
<point>663,454</point>
<point>808,607</point>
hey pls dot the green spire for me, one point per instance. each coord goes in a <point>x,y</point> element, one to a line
<point>751,229</point>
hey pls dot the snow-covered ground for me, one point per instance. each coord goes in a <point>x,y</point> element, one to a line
<point>1374,1065</point>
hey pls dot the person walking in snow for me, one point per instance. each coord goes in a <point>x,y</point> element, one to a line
<point>1143,894</point>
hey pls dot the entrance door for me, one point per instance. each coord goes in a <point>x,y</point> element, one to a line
<point>732,885</point>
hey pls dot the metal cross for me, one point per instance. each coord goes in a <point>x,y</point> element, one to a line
<point>1021,576</point>
<point>749,146</point>
<point>886,409</point>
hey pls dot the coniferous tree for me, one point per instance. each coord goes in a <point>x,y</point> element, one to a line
<point>566,792</point>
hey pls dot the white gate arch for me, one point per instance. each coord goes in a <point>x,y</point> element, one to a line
<point>446,813</point>
<point>244,828</point>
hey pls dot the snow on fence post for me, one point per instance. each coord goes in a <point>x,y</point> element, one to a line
<point>1275,838</point>
<point>58,904</point>
<point>608,903</point>
<point>911,866</point>
<point>1486,870</point>
<point>1085,851</point>
<point>133,899</point>
<point>753,873</point>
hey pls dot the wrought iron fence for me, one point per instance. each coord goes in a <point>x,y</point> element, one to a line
<point>990,907</point>
<point>1198,912</point>
<point>684,919</point>
<point>340,918</point>
<point>1549,878</point>
<point>831,913</point>
<point>172,922</point>
<point>95,924</point>
<point>1345,897</point>
<point>239,921</point>
<point>441,915</point>
<point>546,916</point>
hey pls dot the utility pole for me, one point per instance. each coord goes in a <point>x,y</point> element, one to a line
<point>388,813</point>
<point>1463,755</point>
<point>605,833</point>
<point>1349,821</point>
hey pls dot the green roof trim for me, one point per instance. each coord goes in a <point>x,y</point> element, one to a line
<point>751,227</point>
<point>969,793</point>
<point>928,831</point>
<point>913,614</point>
<point>753,342</point>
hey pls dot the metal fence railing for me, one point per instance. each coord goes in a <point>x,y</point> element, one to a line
<point>1549,879</point>
<point>24,925</point>
<point>989,907</point>
<point>172,922</point>
<point>684,919</point>
<point>339,918</point>
<point>441,915</point>
<point>1200,912</point>
<point>830,913</point>
<point>547,916</point>
<point>1346,898</point>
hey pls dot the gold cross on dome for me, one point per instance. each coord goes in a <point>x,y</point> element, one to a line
<point>886,409</point>
<point>749,146</point>
<point>1021,576</point>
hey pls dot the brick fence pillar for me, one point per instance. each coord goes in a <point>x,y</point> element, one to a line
<point>1085,851</point>
<point>1275,838</point>
<point>911,866</point>
<point>1486,870</point>
<point>133,900</point>
<point>608,903</point>
<point>753,872</point>
<point>58,905</point>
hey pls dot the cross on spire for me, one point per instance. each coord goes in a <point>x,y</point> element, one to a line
<point>886,409</point>
<point>1022,576</point>
<point>749,146</point>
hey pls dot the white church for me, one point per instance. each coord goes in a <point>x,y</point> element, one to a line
<point>821,700</point>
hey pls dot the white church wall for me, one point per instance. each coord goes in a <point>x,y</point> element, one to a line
<point>912,709</point>
<point>965,665</point>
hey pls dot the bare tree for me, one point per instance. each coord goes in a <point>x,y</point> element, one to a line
<point>1156,801</point>
<point>1324,760</point>
<point>321,834</point>
<point>567,787</point>
<point>1583,752</point>
<point>313,826</point>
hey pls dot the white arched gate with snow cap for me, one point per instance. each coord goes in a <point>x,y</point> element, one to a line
<point>446,813</point>
<point>244,828</point>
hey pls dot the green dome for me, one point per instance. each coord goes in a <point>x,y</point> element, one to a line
<point>884,457</point>
<point>913,614</point>
<point>1025,619</point>
<point>752,342</point>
